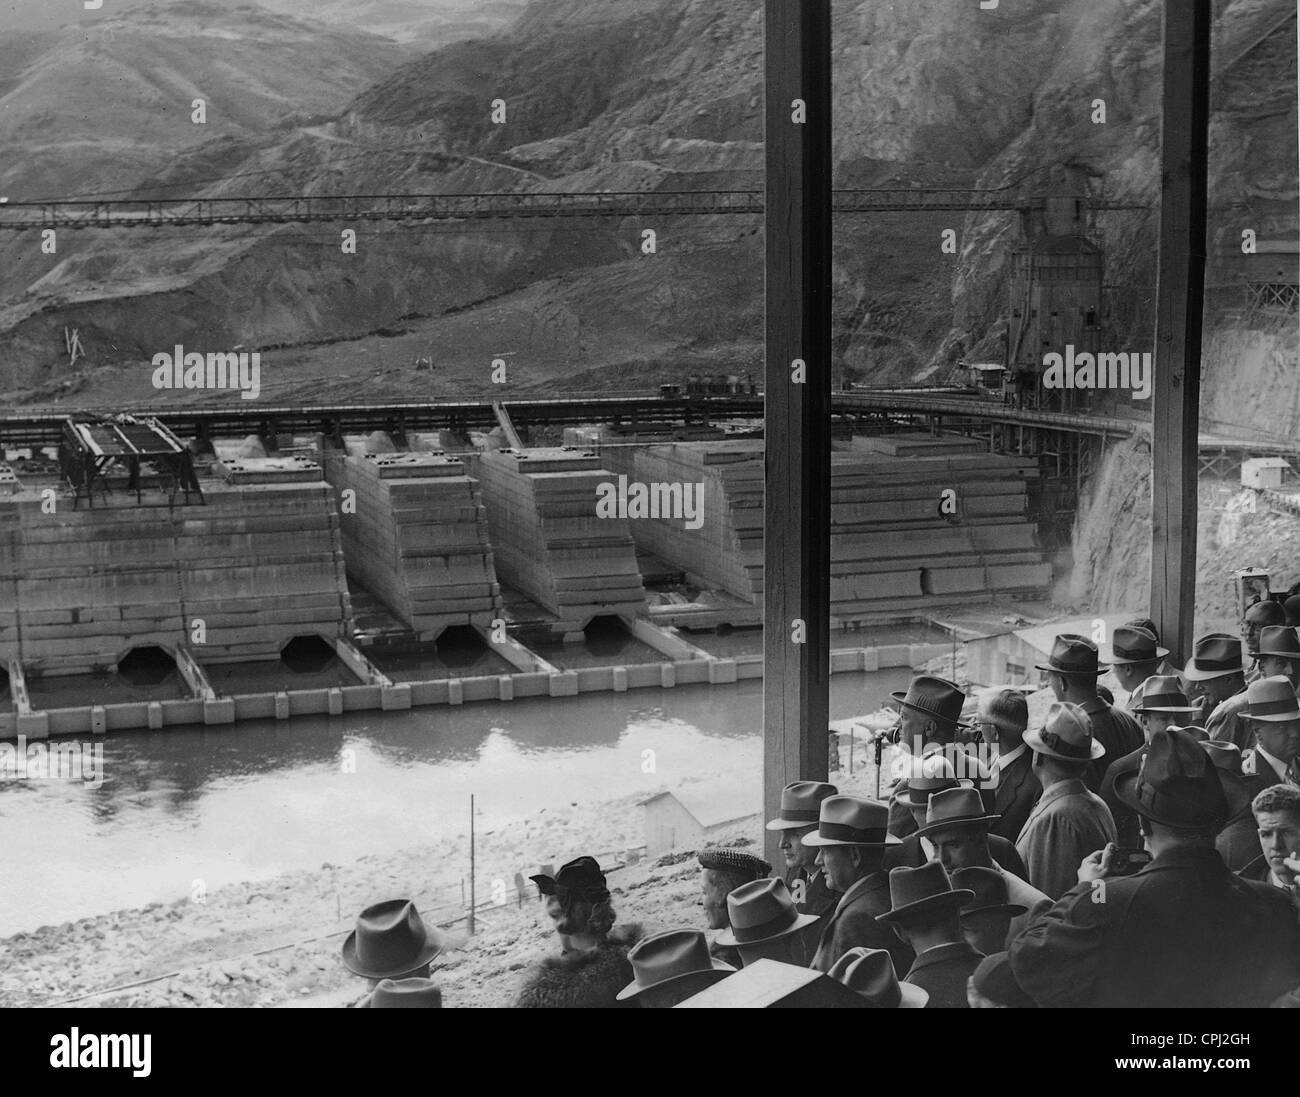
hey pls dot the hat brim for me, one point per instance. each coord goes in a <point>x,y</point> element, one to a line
<point>1273,717</point>
<point>1126,793</point>
<point>433,947</point>
<point>634,988</point>
<point>818,840</point>
<point>786,824</point>
<point>1166,708</point>
<point>1036,744</point>
<point>901,698</point>
<point>914,997</point>
<point>1195,674</point>
<point>955,899</point>
<point>1014,909</point>
<point>949,824</point>
<point>802,921</point>
<point>1120,661</point>
<point>1276,654</point>
<point>1062,670</point>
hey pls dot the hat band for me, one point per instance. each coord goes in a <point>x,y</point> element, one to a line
<point>1216,664</point>
<point>1272,708</point>
<point>1073,668</point>
<point>785,918</point>
<point>842,832</point>
<point>1165,700</point>
<point>1138,655</point>
<point>800,815</point>
<point>1064,746</point>
<point>953,820</point>
<point>921,706</point>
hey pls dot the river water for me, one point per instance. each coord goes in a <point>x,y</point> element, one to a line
<point>256,800</point>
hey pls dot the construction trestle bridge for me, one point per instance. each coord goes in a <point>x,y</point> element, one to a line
<point>120,213</point>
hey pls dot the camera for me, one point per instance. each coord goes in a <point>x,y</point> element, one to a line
<point>1125,862</point>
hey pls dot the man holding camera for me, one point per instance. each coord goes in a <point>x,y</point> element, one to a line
<point>1182,932</point>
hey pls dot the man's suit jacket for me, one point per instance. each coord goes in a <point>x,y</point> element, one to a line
<point>1183,932</point>
<point>853,923</point>
<point>1254,764</point>
<point>1115,730</point>
<point>1014,797</point>
<point>1126,820</point>
<point>911,854</point>
<point>818,899</point>
<point>1226,725</point>
<point>943,971</point>
<point>1066,825</point>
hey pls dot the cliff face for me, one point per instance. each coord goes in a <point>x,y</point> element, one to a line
<point>666,94</point>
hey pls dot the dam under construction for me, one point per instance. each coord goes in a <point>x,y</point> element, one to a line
<point>151,581</point>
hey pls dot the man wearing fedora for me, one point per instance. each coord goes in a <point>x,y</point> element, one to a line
<point>1263,614</point>
<point>721,872</point>
<point>670,967</point>
<point>987,919</point>
<point>935,777</point>
<point>930,720</point>
<point>1277,817</point>
<point>592,966</point>
<point>870,971</point>
<point>1069,821</point>
<point>1216,683</point>
<point>1162,705</point>
<point>851,839</point>
<point>392,941</point>
<point>1238,841</point>
<point>1072,671</point>
<point>800,807</point>
<point>1134,656</point>
<point>1002,718</point>
<point>764,923</point>
<point>1279,654</point>
<point>924,911</point>
<point>1273,711</point>
<point>958,828</point>
<point>1182,932</point>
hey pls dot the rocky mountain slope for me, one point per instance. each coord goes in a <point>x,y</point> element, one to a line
<point>661,94</point>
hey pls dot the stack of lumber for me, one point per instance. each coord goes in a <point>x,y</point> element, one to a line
<point>892,550</point>
<point>548,542</point>
<point>419,539</point>
<point>233,579</point>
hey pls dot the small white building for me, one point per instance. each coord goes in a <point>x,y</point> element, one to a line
<point>689,818</point>
<point>1264,473</point>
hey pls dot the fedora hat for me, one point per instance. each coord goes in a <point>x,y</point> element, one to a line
<point>1265,612</point>
<point>801,804</point>
<point>1279,641</point>
<point>734,862</point>
<point>852,821</point>
<point>955,807</point>
<point>870,971</point>
<point>990,889</point>
<point>1272,700</point>
<point>1132,644</point>
<point>1225,755</point>
<point>580,879</point>
<point>995,980</point>
<point>666,958</point>
<point>762,910</point>
<point>1073,654</point>
<point>417,993</point>
<point>935,697</point>
<point>930,774</point>
<point>1163,693</point>
<point>1214,656</point>
<point>919,891</point>
<point>1066,734</point>
<point>1176,783</point>
<point>391,940</point>
<point>1292,609</point>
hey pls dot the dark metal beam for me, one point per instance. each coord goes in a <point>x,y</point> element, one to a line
<point>1179,309</point>
<point>797,221</point>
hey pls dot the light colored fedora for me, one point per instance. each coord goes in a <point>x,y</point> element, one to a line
<point>669,957</point>
<point>1066,734</point>
<point>870,971</point>
<point>760,911</point>
<point>852,821</point>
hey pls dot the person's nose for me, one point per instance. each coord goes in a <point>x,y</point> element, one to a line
<point>819,859</point>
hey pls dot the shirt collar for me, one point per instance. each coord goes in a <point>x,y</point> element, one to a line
<point>1003,760</point>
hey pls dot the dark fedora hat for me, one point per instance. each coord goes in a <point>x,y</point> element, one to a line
<point>1066,734</point>
<point>760,911</point>
<point>1130,644</point>
<point>1073,654</point>
<point>955,807</point>
<point>1292,608</point>
<point>996,982</point>
<point>1265,612</point>
<point>922,891</point>
<point>1163,693</point>
<point>391,940</point>
<point>1272,700</point>
<point>852,821</point>
<point>1213,656</point>
<point>416,993</point>
<point>870,971</point>
<point>666,958</point>
<point>1226,757</point>
<point>1279,641</point>
<point>580,879</point>
<point>990,889</point>
<point>801,804</point>
<point>1176,784</point>
<point>930,774</point>
<point>935,697</point>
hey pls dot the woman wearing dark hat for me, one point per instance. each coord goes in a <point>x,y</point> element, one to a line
<point>592,967</point>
